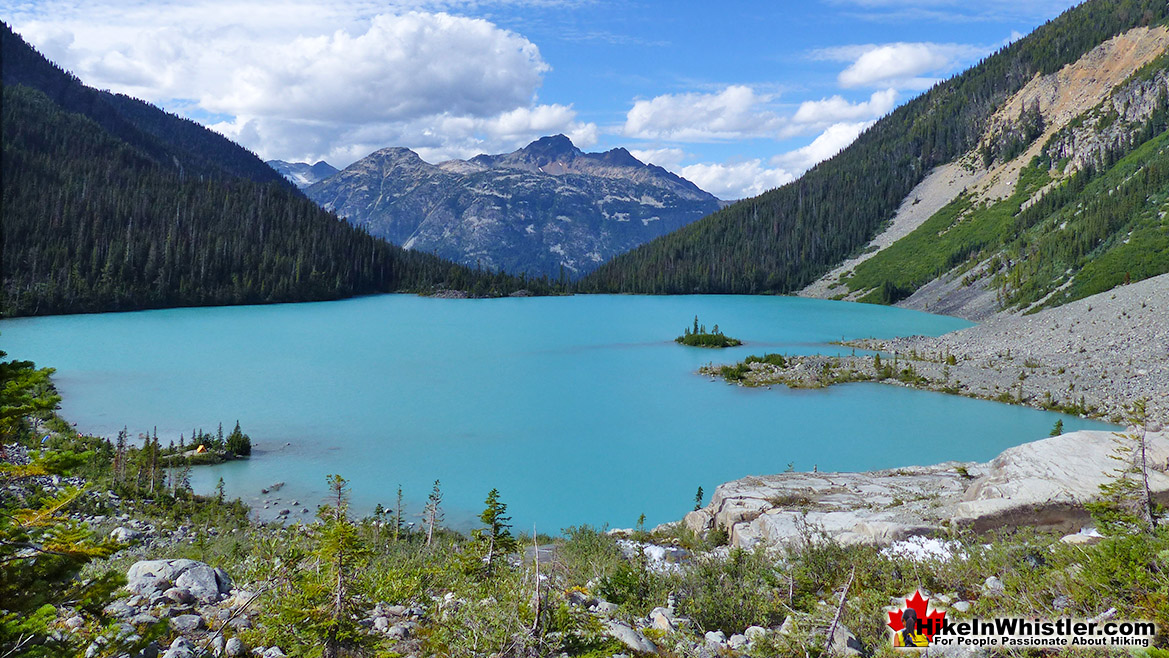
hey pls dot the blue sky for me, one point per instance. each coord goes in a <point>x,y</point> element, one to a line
<point>738,96</point>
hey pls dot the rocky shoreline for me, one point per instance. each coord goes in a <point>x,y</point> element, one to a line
<point>1094,357</point>
<point>1042,485</point>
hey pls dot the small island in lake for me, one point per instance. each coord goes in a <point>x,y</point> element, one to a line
<point>699,337</point>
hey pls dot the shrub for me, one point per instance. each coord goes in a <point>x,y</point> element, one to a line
<point>730,594</point>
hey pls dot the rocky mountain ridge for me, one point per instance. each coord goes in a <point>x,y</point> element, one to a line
<point>303,174</point>
<point>545,209</point>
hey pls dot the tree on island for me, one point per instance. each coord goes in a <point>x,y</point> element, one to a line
<point>699,337</point>
<point>238,443</point>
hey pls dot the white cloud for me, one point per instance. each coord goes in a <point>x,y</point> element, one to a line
<point>402,67</point>
<point>748,178</point>
<point>829,143</point>
<point>434,137</point>
<point>299,80</point>
<point>900,65</point>
<point>836,108</point>
<point>668,157</point>
<point>735,180</point>
<point>736,112</point>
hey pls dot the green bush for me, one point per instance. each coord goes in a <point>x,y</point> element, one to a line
<point>730,594</point>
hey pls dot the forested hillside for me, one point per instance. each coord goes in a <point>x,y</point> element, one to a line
<point>783,239</point>
<point>168,139</point>
<point>138,209</point>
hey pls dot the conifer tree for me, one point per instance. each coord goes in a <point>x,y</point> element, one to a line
<point>432,512</point>
<point>42,550</point>
<point>398,515</point>
<point>1126,504</point>
<point>496,538</point>
<point>319,609</point>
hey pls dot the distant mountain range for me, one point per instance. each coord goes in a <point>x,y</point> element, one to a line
<point>111,204</point>
<point>302,174</point>
<point>546,209</point>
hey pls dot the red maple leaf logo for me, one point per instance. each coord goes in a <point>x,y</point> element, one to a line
<point>929,622</point>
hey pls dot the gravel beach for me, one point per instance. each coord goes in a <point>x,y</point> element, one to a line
<point>1093,357</point>
<point>1109,349</point>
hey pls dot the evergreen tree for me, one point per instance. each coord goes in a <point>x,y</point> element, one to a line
<point>432,512</point>
<point>42,550</point>
<point>379,515</point>
<point>1126,504</point>
<point>323,598</point>
<point>238,443</point>
<point>496,539</point>
<point>27,391</point>
<point>398,515</point>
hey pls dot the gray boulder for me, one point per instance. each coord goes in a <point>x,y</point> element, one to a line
<point>152,576</point>
<point>180,648</point>
<point>143,619</point>
<point>124,534</point>
<point>605,608</point>
<point>179,595</point>
<point>187,623</point>
<point>201,580</point>
<point>629,636</point>
<point>716,639</point>
<point>120,608</point>
<point>234,648</point>
<point>844,643</point>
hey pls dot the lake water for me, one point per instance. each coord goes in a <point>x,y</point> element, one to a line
<point>579,409</point>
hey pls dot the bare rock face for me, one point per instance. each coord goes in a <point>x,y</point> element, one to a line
<point>1043,484</point>
<point>1046,483</point>
<point>878,506</point>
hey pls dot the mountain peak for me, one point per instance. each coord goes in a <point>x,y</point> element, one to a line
<point>396,152</point>
<point>552,144</point>
<point>547,150</point>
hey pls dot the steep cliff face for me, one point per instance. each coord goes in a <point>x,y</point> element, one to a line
<point>543,209</point>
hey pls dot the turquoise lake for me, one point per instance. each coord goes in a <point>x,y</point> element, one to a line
<point>578,409</point>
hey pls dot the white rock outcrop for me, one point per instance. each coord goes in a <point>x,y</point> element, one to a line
<point>1040,484</point>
